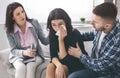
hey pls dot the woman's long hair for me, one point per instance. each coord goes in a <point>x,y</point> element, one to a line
<point>9,23</point>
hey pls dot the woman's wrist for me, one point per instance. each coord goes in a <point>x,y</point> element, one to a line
<point>58,64</point>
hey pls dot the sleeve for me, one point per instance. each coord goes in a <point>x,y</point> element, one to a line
<point>107,60</point>
<point>15,50</point>
<point>81,44</point>
<point>88,36</point>
<point>43,38</point>
<point>53,49</point>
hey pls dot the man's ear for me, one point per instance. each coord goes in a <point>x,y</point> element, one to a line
<point>107,26</point>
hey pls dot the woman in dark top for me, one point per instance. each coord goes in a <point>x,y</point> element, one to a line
<point>59,24</point>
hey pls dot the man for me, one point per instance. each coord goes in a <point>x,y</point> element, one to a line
<point>105,58</point>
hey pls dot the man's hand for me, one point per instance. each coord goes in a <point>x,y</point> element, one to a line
<point>76,52</point>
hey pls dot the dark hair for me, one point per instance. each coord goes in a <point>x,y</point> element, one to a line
<point>106,10</point>
<point>9,16</point>
<point>58,13</point>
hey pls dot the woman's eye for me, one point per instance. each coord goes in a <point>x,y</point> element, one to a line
<point>53,25</point>
<point>18,14</point>
<point>61,24</point>
<point>22,11</point>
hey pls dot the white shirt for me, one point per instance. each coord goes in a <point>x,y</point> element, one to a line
<point>99,42</point>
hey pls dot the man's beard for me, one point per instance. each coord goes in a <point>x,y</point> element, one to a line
<point>103,28</point>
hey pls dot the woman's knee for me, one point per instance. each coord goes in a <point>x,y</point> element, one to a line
<point>50,71</point>
<point>19,66</point>
<point>50,66</point>
<point>31,67</point>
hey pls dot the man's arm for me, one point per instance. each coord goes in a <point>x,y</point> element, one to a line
<point>106,60</point>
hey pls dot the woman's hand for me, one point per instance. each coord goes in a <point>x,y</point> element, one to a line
<point>60,72</point>
<point>63,32</point>
<point>29,52</point>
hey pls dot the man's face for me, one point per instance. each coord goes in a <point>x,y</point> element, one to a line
<point>98,23</point>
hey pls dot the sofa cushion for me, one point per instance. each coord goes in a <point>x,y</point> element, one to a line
<point>41,70</point>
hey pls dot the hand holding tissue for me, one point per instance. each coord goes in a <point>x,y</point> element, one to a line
<point>58,32</point>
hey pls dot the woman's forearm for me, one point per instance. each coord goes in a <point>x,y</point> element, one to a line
<point>62,51</point>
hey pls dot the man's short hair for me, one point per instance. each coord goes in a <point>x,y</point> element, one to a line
<point>106,10</point>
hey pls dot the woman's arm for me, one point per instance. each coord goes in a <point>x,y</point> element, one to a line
<point>81,43</point>
<point>44,39</point>
<point>56,61</point>
<point>15,50</point>
<point>62,50</point>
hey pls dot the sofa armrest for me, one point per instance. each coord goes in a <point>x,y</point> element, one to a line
<point>4,63</point>
<point>4,57</point>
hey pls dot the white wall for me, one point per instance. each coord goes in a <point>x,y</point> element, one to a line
<point>40,9</point>
<point>3,5</point>
<point>75,8</point>
<point>3,38</point>
<point>118,6</point>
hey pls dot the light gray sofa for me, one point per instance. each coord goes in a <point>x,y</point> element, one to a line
<point>7,71</point>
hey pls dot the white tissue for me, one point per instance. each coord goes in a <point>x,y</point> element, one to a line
<point>58,32</point>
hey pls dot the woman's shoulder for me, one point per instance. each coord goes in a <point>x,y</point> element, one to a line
<point>35,23</point>
<point>76,32</point>
<point>33,20</point>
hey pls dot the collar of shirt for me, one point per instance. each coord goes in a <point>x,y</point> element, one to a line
<point>16,27</point>
<point>114,30</point>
